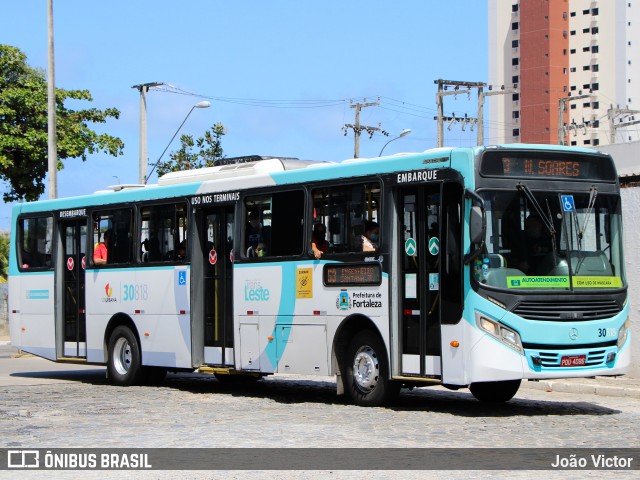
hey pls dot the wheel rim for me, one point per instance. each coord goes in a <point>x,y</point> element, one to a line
<point>122,356</point>
<point>366,369</point>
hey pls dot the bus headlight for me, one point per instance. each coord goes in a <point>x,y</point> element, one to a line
<point>622,334</point>
<point>501,332</point>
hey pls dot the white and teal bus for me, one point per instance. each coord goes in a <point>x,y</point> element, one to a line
<point>462,267</point>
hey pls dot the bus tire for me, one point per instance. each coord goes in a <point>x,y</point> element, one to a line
<point>367,373</point>
<point>495,392</point>
<point>124,366</point>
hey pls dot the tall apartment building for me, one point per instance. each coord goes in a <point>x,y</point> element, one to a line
<point>576,64</point>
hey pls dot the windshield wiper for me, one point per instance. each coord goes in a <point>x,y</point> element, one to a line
<point>545,220</point>
<point>593,193</point>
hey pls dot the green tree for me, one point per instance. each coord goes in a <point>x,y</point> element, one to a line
<point>4,257</point>
<point>209,151</point>
<point>23,127</point>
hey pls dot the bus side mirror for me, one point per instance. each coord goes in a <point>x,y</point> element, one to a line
<point>476,225</point>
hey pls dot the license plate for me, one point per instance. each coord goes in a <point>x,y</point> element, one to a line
<point>573,361</point>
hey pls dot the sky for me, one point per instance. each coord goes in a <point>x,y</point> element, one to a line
<point>281,75</point>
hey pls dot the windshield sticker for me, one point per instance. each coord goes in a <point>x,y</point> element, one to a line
<point>597,282</point>
<point>538,282</point>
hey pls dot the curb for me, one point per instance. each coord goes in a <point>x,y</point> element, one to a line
<point>626,388</point>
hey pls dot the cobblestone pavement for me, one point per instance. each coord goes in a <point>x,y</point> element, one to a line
<point>55,409</point>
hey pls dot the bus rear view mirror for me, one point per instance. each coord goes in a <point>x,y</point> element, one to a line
<point>476,224</point>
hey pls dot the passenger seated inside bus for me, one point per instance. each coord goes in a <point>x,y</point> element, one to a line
<point>101,250</point>
<point>370,237</point>
<point>319,244</point>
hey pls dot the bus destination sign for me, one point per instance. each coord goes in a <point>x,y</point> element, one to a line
<point>548,165</point>
<point>340,275</point>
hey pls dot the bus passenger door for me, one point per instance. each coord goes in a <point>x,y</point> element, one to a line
<point>216,248</point>
<point>74,242</point>
<point>420,244</point>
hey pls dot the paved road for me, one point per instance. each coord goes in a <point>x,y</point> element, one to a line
<point>48,405</point>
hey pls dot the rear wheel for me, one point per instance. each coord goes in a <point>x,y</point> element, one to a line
<point>495,392</point>
<point>124,365</point>
<point>367,371</point>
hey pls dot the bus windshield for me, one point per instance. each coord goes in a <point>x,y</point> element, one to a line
<point>550,240</point>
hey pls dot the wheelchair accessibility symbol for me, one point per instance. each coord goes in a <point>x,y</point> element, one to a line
<point>182,277</point>
<point>568,205</point>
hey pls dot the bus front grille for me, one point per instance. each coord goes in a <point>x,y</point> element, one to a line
<point>554,359</point>
<point>561,311</point>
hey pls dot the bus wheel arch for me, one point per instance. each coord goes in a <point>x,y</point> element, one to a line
<point>363,363</point>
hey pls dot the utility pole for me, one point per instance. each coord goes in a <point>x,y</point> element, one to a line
<point>481,95</point>
<point>444,85</point>
<point>612,113</point>
<point>357,128</point>
<point>143,163</point>
<point>52,143</point>
<point>561,109</point>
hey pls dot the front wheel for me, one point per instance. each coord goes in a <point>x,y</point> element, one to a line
<point>495,392</point>
<point>367,371</point>
<point>124,366</point>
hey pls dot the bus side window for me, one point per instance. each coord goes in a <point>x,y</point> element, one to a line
<point>163,233</point>
<point>113,229</point>
<point>345,211</point>
<point>35,244</point>
<point>274,224</point>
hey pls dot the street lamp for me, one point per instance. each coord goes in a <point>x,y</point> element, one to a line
<point>403,133</point>
<point>203,104</point>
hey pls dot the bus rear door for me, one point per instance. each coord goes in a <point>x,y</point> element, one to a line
<point>212,269</point>
<point>71,272</point>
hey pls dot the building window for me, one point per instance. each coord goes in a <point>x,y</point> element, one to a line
<point>586,67</point>
<point>573,88</point>
<point>573,50</point>
<point>594,11</point>
<point>515,114</point>
<point>594,30</point>
<point>515,61</point>
<point>514,8</point>
<point>594,49</point>
<point>516,132</point>
<point>514,43</point>
<point>573,14</point>
<point>595,68</point>
<point>596,123</point>
<point>515,79</point>
<point>564,15</point>
<point>587,142</point>
<point>573,106</point>
<point>586,104</point>
<point>515,97</point>
<point>572,69</point>
<point>573,32</point>
<point>573,143</point>
<point>585,30</point>
<point>585,12</point>
<point>586,49</point>
<point>514,26</point>
<point>595,86</point>
<point>596,142</point>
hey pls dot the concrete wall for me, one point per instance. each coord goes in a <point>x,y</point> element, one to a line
<point>631,224</point>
